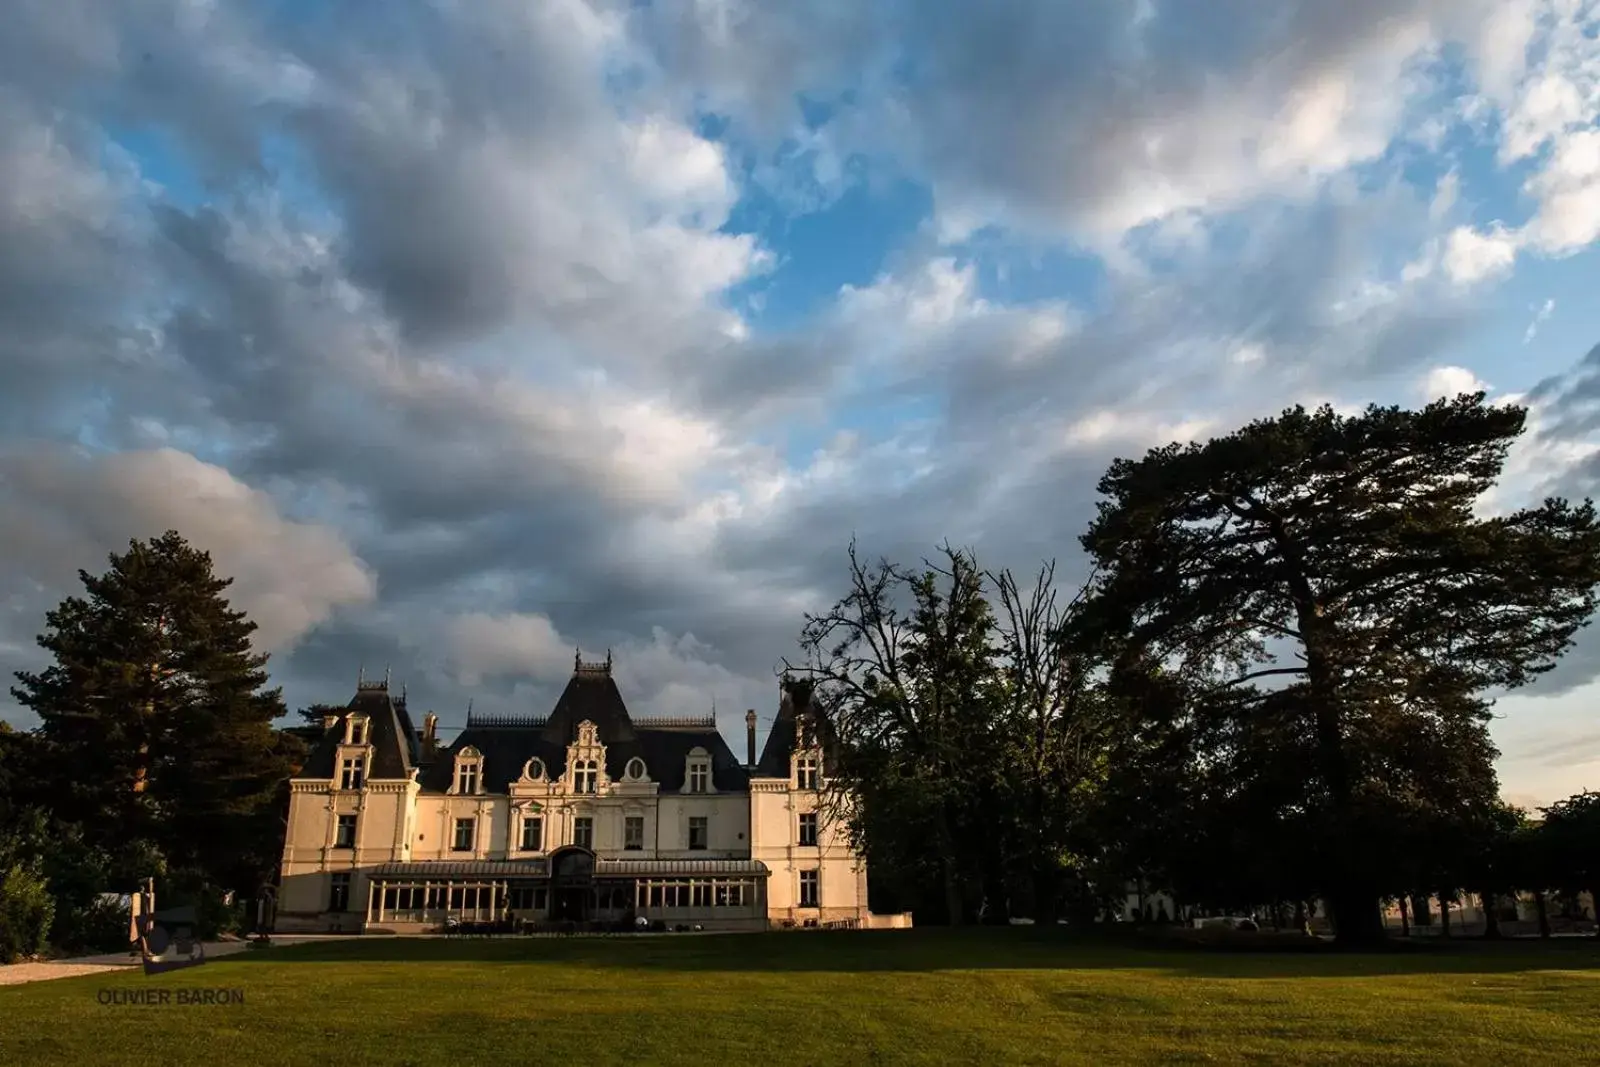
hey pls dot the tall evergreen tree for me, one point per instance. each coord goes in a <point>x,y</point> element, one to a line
<point>156,723</point>
<point>1343,556</point>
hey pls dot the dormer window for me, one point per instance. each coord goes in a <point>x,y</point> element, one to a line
<point>355,730</point>
<point>806,772</point>
<point>352,772</point>
<point>585,757</point>
<point>469,772</point>
<point>533,770</point>
<point>635,769</point>
<point>698,774</point>
<point>585,775</point>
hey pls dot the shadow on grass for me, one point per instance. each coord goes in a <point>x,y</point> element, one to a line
<point>953,950</point>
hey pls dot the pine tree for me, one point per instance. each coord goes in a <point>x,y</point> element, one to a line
<point>1344,557</point>
<point>156,726</point>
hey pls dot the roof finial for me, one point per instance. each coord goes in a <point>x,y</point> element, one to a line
<point>402,692</point>
<point>386,676</point>
<point>577,657</point>
<point>361,675</point>
<point>608,661</point>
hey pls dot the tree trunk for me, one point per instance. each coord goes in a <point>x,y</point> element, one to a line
<point>1405,919</point>
<point>1356,918</point>
<point>1352,902</point>
<point>1444,916</point>
<point>1491,920</point>
<point>1542,909</point>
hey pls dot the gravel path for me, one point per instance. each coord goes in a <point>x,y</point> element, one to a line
<point>43,971</point>
<point>18,973</point>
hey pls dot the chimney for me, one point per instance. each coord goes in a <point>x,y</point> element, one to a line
<point>430,727</point>
<point>750,731</point>
<point>330,719</point>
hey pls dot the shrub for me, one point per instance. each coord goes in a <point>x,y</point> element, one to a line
<point>26,911</point>
<point>99,926</point>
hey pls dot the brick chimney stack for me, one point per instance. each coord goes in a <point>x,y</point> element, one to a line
<point>430,729</point>
<point>750,731</point>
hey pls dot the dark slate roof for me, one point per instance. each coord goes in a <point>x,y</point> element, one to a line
<point>780,746</point>
<point>591,695</point>
<point>393,737</point>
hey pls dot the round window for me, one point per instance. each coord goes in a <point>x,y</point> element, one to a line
<point>636,768</point>
<point>534,769</point>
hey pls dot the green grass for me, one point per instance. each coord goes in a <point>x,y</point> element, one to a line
<point>1006,996</point>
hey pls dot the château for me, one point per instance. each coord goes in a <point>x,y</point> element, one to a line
<point>585,816</point>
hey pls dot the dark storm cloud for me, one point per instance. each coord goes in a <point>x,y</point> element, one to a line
<point>389,198</point>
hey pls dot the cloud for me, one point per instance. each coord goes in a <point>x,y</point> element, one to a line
<point>492,306</point>
<point>67,511</point>
<point>1449,382</point>
<point>1541,316</point>
<point>1539,67</point>
<point>1470,256</point>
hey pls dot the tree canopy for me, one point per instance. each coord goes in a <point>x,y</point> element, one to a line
<point>1332,575</point>
<point>156,733</point>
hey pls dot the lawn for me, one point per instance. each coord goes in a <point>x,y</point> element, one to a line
<point>1005,996</point>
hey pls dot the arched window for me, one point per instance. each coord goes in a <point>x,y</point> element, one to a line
<point>469,772</point>
<point>697,772</point>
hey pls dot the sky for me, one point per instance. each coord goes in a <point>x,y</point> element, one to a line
<point>466,333</point>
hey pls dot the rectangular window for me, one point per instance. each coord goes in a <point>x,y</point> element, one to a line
<point>344,835</point>
<point>583,831</point>
<point>808,889</point>
<point>808,828</point>
<point>532,833</point>
<point>467,778</point>
<point>358,731</point>
<point>698,833</point>
<point>806,772</point>
<point>585,775</point>
<point>352,772</point>
<point>466,830</point>
<point>633,833</point>
<point>339,892</point>
<point>699,778</point>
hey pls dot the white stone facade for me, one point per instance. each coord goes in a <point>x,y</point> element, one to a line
<point>529,822</point>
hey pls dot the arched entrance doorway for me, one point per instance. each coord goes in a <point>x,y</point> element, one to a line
<point>571,884</point>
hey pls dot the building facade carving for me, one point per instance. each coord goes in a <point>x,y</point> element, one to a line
<point>586,815</point>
